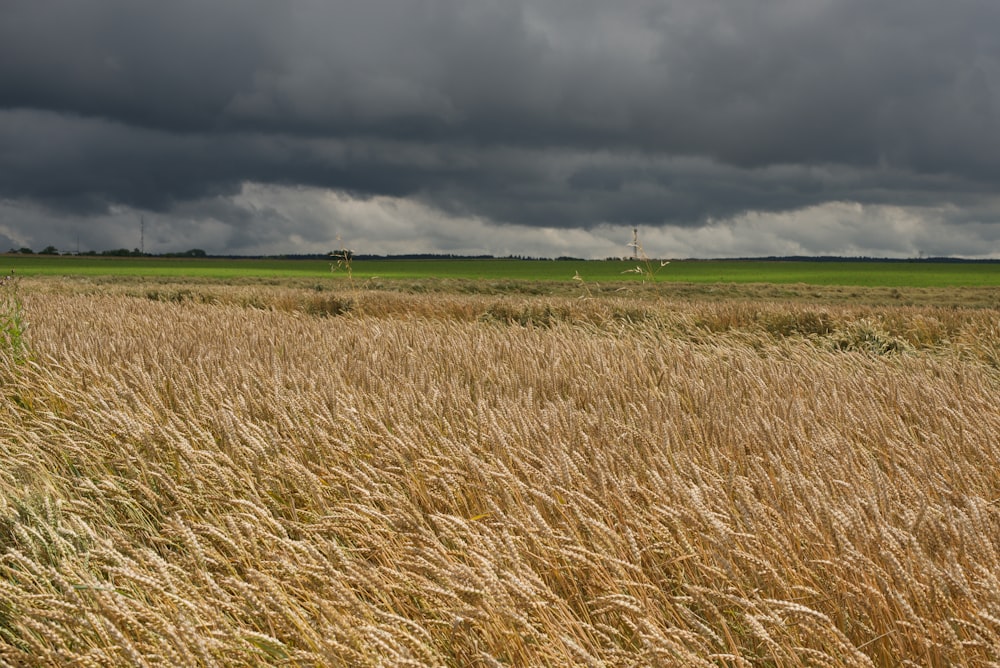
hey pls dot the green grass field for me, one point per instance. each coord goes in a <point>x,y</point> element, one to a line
<point>868,274</point>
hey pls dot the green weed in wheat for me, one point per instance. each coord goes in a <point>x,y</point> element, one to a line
<point>13,326</point>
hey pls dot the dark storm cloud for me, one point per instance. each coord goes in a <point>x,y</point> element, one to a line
<point>554,112</point>
<point>173,65</point>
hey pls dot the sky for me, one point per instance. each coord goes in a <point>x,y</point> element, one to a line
<point>717,128</point>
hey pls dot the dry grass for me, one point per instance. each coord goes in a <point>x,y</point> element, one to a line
<point>270,475</point>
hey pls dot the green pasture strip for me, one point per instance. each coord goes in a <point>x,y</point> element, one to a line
<point>883,274</point>
<point>871,274</point>
<point>162,267</point>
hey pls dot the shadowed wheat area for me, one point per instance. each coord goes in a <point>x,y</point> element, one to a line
<point>385,479</point>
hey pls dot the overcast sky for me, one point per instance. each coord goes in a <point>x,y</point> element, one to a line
<point>536,127</point>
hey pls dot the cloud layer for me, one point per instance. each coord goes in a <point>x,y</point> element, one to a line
<point>518,117</point>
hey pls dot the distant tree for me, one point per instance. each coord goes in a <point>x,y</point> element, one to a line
<point>49,250</point>
<point>26,251</point>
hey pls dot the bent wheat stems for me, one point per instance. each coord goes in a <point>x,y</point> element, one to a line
<point>470,480</point>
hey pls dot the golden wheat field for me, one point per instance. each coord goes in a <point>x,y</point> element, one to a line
<point>280,475</point>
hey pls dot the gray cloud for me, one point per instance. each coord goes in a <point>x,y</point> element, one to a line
<point>538,113</point>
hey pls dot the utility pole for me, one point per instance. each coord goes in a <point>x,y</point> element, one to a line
<point>142,235</point>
